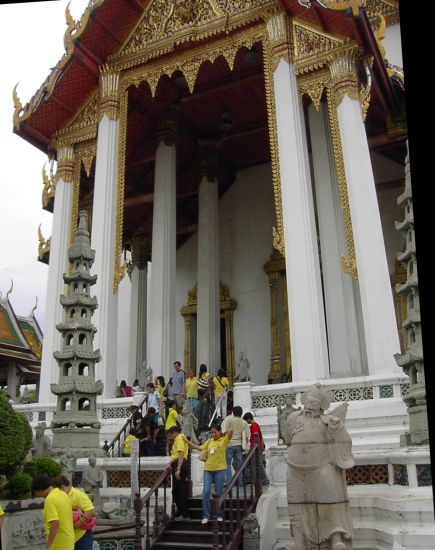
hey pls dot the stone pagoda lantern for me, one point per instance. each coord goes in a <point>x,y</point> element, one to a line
<point>75,425</point>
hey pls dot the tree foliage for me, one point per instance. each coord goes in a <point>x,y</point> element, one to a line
<point>15,438</point>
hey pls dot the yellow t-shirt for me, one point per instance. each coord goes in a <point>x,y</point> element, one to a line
<point>179,444</point>
<point>1,511</point>
<point>127,444</point>
<point>161,389</point>
<point>220,384</point>
<point>57,506</point>
<point>192,387</point>
<point>171,420</point>
<point>79,501</point>
<point>216,456</point>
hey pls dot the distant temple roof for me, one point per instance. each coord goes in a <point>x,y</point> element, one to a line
<point>20,341</point>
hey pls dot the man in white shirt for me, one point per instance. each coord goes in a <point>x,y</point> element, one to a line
<point>239,441</point>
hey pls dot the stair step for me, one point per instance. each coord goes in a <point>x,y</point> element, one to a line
<point>196,525</point>
<point>171,545</point>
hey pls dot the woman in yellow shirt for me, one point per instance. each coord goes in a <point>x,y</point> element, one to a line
<point>214,468</point>
<point>191,389</point>
<point>221,383</point>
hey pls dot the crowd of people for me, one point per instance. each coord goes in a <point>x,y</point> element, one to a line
<point>69,514</point>
<point>225,432</point>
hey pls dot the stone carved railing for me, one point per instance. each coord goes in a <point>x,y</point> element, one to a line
<point>345,389</point>
<point>107,409</point>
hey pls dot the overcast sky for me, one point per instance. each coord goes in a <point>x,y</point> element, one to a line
<point>31,42</point>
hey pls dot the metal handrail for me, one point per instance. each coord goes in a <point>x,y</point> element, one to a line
<point>159,524</point>
<point>111,447</point>
<point>238,511</point>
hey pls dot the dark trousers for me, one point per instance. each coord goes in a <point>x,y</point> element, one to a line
<point>180,490</point>
<point>86,542</point>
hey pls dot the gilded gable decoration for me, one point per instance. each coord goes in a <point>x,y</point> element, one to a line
<point>165,24</point>
<point>83,126</point>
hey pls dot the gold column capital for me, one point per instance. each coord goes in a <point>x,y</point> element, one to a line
<point>167,127</point>
<point>344,78</point>
<point>280,38</point>
<point>140,250</point>
<point>208,157</point>
<point>109,93</point>
<point>65,162</point>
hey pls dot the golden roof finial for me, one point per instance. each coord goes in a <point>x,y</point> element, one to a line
<point>34,307</point>
<point>68,40</point>
<point>10,290</point>
<point>18,107</point>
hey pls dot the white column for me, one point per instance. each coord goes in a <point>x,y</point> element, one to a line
<point>12,380</point>
<point>138,307</point>
<point>343,341</point>
<point>104,232</point>
<point>208,309</point>
<point>59,244</point>
<point>161,342</point>
<point>381,337</point>
<point>304,289</point>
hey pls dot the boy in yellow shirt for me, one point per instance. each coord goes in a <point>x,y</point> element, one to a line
<point>57,514</point>
<point>191,389</point>
<point>178,464</point>
<point>84,521</point>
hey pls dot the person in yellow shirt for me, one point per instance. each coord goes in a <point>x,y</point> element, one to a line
<point>180,471</point>
<point>57,514</point>
<point>1,524</point>
<point>220,383</point>
<point>191,389</point>
<point>171,418</point>
<point>161,387</point>
<point>215,467</point>
<point>126,450</point>
<point>81,503</point>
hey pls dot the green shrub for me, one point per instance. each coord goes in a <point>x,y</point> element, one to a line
<point>15,440</point>
<point>42,465</point>
<point>19,486</point>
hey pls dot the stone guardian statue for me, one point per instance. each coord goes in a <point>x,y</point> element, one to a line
<point>318,453</point>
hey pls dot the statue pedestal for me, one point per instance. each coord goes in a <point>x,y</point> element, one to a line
<point>242,395</point>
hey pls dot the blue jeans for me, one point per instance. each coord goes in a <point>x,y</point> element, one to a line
<point>218,478</point>
<point>86,542</point>
<point>234,452</point>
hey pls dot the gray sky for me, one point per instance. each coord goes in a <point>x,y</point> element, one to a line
<point>31,42</point>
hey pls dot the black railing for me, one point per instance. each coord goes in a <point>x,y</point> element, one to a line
<point>238,501</point>
<point>161,518</point>
<point>116,446</point>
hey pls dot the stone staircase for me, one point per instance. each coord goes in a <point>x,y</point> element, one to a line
<point>191,533</point>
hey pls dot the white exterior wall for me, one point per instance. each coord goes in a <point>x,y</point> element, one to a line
<point>393,45</point>
<point>246,217</point>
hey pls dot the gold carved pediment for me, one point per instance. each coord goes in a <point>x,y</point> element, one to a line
<point>83,125</point>
<point>169,22</point>
<point>311,42</point>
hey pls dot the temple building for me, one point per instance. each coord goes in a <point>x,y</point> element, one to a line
<point>20,348</point>
<point>242,165</point>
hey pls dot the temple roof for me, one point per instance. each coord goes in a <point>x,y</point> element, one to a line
<point>107,27</point>
<point>20,337</point>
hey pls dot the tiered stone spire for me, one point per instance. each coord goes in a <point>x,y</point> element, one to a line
<point>75,425</point>
<point>412,360</point>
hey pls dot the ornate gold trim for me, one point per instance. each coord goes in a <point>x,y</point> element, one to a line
<point>49,189</point>
<point>165,25</point>
<point>313,85</point>
<point>348,263</point>
<point>119,269</point>
<point>83,126</point>
<point>342,5</point>
<point>109,93</point>
<point>43,246</point>
<point>65,163</point>
<point>278,231</point>
<point>189,62</point>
